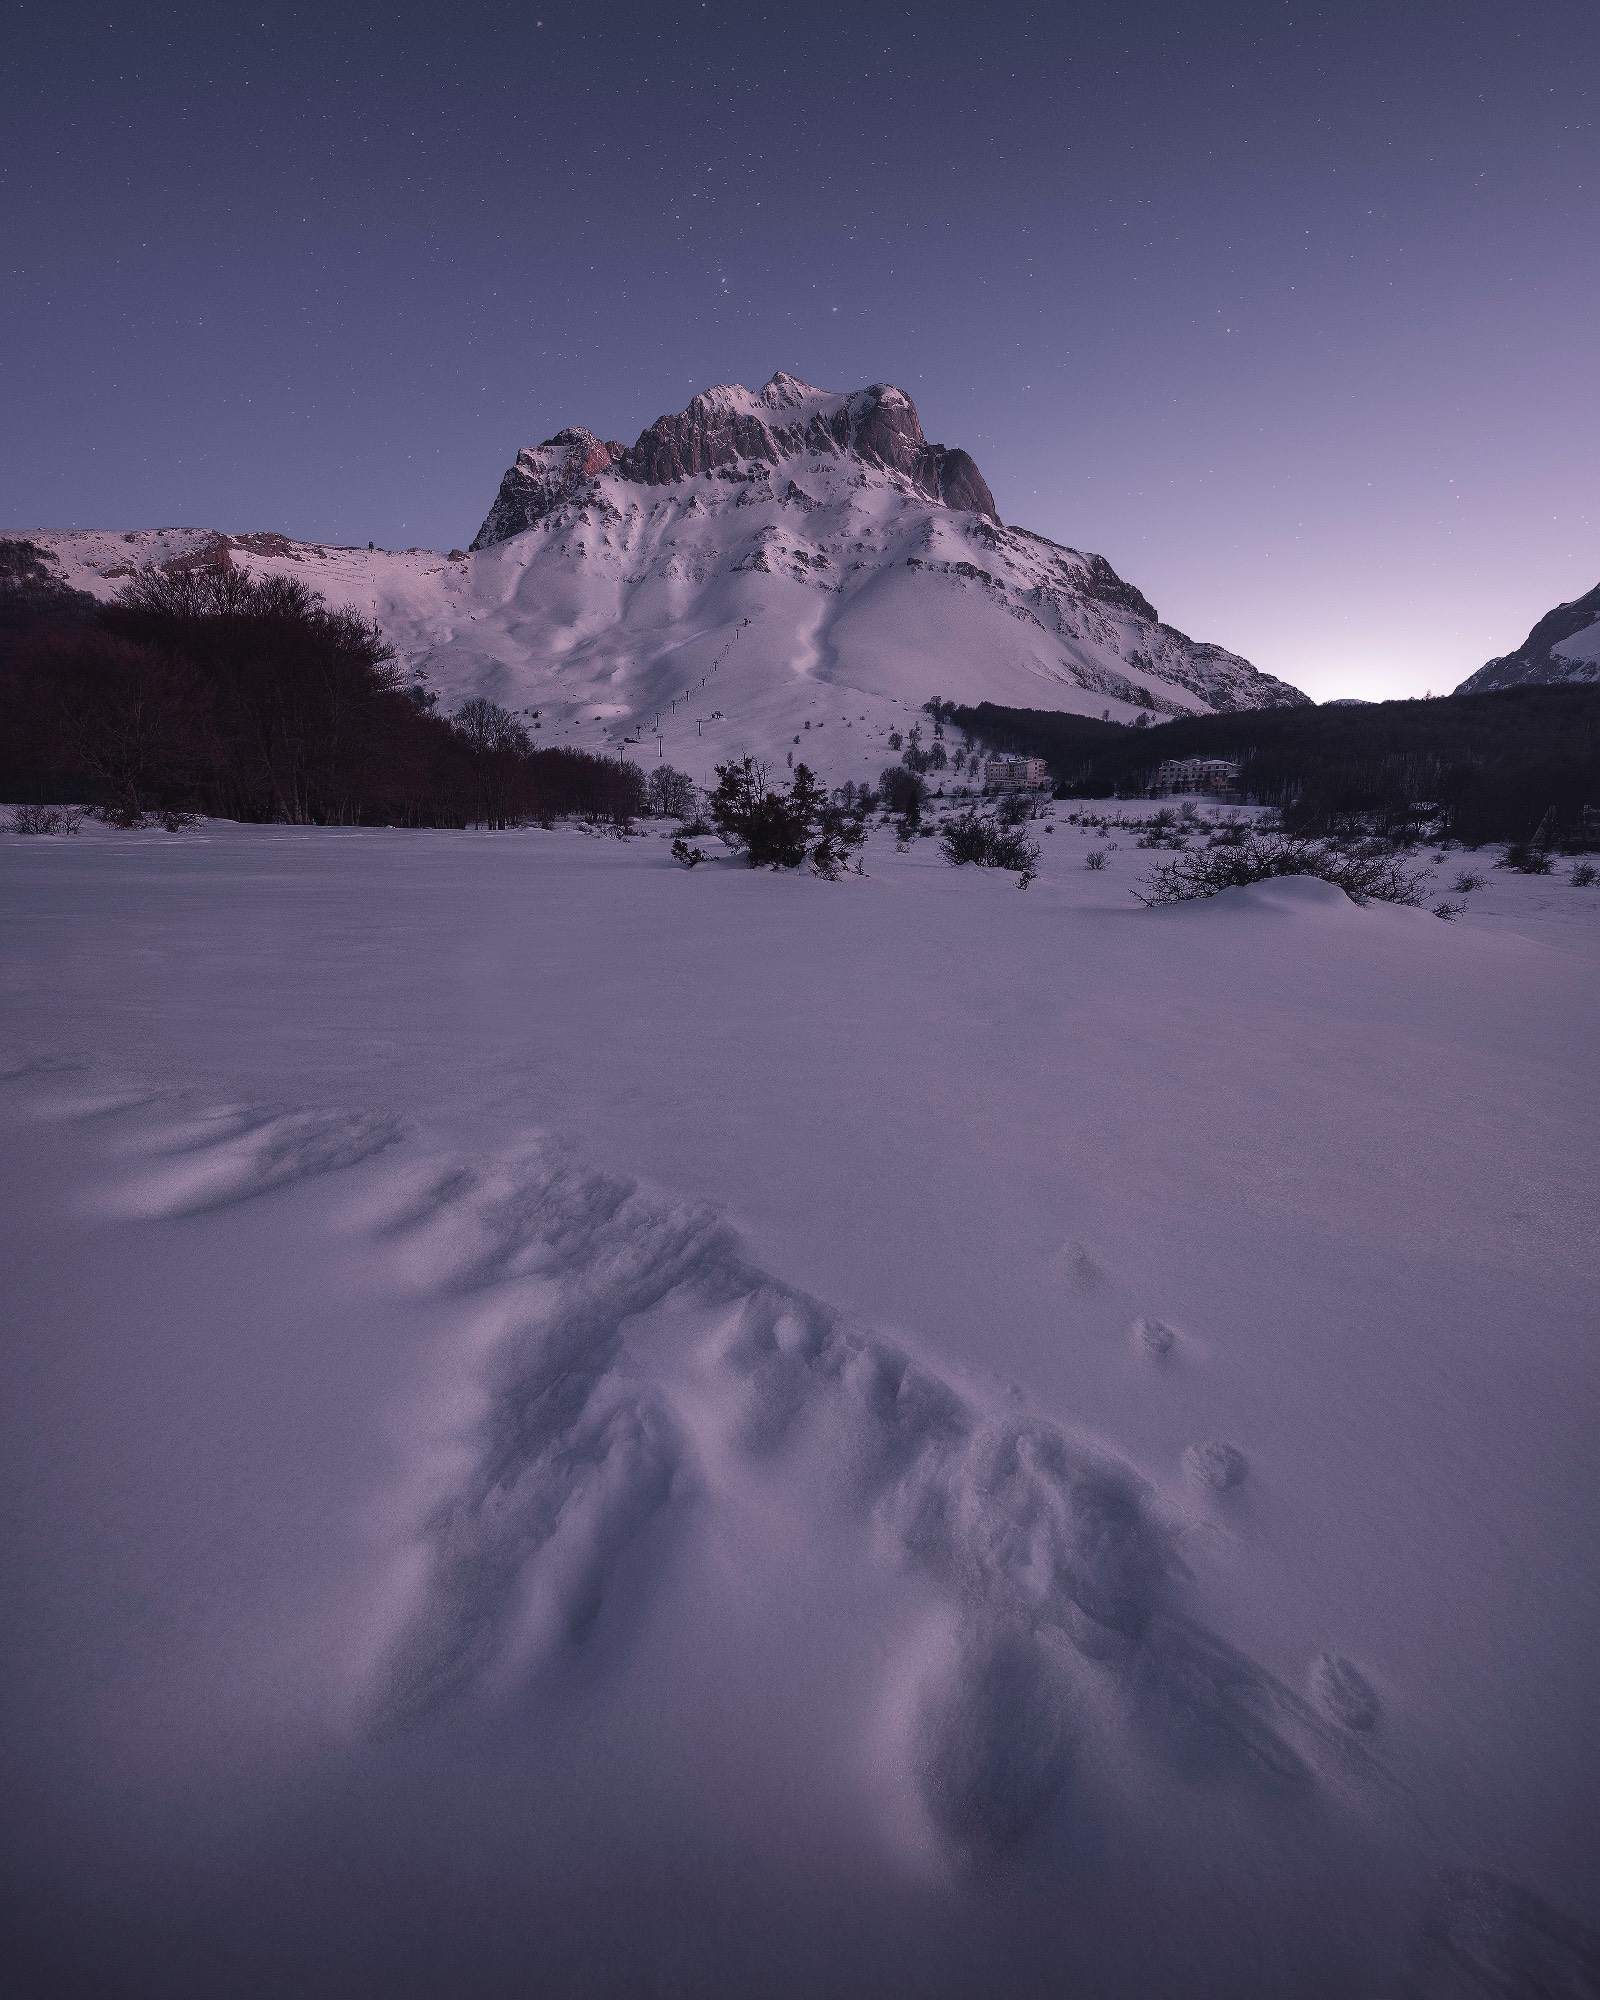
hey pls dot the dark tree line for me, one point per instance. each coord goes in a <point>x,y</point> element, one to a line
<point>1513,765</point>
<point>208,690</point>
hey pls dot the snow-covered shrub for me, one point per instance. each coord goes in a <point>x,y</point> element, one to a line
<point>1368,873</point>
<point>45,819</point>
<point>970,836</point>
<point>1584,875</point>
<point>1466,882</point>
<point>1095,858</point>
<point>691,857</point>
<point>1532,856</point>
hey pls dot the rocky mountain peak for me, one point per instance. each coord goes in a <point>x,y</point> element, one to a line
<point>1563,646</point>
<point>729,426</point>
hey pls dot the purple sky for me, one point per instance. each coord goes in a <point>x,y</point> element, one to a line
<point>1293,312</point>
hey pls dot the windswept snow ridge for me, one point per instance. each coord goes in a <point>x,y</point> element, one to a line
<point>784,573</point>
<point>576,1426</point>
<point>625,1360</point>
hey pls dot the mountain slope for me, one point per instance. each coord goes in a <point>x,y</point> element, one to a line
<point>760,570</point>
<point>1563,646</point>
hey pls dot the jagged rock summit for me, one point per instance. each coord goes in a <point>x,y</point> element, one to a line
<point>1563,646</point>
<point>788,573</point>
<point>731,427</point>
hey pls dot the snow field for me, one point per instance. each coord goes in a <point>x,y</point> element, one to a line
<point>579,1422</point>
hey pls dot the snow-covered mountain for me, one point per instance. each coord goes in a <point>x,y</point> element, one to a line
<point>1563,646</point>
<point>761,570</point>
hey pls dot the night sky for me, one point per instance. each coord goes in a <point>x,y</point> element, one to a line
<point>1293,312</point>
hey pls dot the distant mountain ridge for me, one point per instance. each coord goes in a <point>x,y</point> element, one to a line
<point>785,573</point>
<point>1563,646</point>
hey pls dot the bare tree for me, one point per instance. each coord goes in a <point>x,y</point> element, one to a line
<point>671,793</point>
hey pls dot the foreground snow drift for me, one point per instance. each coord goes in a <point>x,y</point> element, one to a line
<point>576,1427</point>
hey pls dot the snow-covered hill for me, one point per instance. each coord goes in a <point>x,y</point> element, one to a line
<point>760,569</point>
<point>1563,646</point>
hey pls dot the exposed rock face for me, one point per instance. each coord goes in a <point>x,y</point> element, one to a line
<point>1542,657</point>
<point>727,428</point>
<point>31,585</point>
<point>542,479</point>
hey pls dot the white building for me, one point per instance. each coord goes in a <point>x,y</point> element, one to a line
<point>1197,774</point>
<point>1016,774</point>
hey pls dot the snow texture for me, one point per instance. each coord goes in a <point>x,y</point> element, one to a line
<point>581,1428</point>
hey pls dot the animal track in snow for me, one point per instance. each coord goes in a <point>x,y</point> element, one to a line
<point>1215,1464</point>
<point>1153,1338</point>
<point>1085,1272</point>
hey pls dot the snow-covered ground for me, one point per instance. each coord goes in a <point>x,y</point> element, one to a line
<point>573,1426</point>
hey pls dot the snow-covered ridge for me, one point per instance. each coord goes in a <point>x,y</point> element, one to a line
<point>785,573</point>
<point>1563,646</point>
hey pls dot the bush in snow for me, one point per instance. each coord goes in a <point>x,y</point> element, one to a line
<point>782,829</point>
<point>1532,856</point>
<point>1584,875</point>
<point>1466,882</point>
<point>45,819</point>
<point>970,836</point>
<point>1095,858</point>
<point>1015,807</point>
<point>691,857</point>
<point>1365,874</point>
<point>670,793</point>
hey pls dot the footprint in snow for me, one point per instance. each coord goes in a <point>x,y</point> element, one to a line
<point>1215,1464</point>
<point>1154,1339</point>
<point>1084,1271</point>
